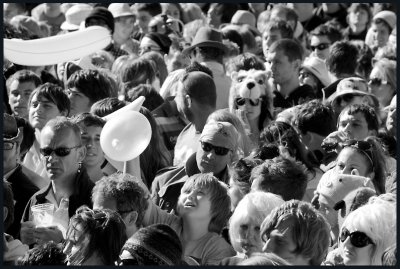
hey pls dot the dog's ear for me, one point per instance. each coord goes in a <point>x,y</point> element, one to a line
<point>266,75</point>
<point>234,75</point>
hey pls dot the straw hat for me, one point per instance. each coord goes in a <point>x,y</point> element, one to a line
<point>120,10</point>
<point>75,15</point>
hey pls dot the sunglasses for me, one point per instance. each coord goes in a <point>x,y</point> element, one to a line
<point>241,101</point>
<point>60,152</point>
<point>207,147</point>
<point>376,81</point>
<point>8,145</point>
<point>363,146</point>
<point>321,46</point>
<point>357,239</point>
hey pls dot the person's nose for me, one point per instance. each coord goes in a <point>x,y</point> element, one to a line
<point>211,154</point>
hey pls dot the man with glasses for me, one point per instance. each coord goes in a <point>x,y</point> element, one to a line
<point>217,149</point>
<point>63,153</point>
<point>321,39</point>
<point>21,185</point>
<point>124,194</point>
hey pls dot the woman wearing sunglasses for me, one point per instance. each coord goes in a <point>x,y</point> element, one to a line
<point>367,232</point>
<point>382,81</point>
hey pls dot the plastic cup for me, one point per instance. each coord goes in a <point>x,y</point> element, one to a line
<point>43,214</point>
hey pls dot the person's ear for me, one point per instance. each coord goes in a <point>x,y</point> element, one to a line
<point>131,218</point>
<point>297,64</point>
<point>81,153</point>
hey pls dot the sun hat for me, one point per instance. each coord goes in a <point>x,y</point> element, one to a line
<point>354,86</point>
<point>318,68</point>
<point>120,10</point>
<point>11,133</point>
<point>75,15</point>
<point>207,37</point>
<point>223,133</point>
<point>388,16</point>
<point>244,17</point>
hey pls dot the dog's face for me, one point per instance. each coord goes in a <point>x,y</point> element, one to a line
<point>250,84</point>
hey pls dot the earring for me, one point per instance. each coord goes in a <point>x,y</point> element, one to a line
<point>79,167</point>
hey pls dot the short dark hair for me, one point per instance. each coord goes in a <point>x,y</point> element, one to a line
<point>314,116</point>
<point>54,94</point>
<point>23,76</point>
<point>88,119</point>
<point>60,123</point>
<point>153,98</point>
<point>240,173</point>
<point>342,58</point>
<point>282,176</point>
<point>202,88</point>
<point>329,31</point>
<point>196,66</point>
<point>107,106</point>
<point>28,134</point>
<point>246,61</point>
<point>92,83</point>
<point>368,112</point>
<point>292,49</point>
<point>153,8</point>
<point>137,71</point>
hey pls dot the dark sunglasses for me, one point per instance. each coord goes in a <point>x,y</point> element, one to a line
<point>321,46</point>
<point>207,147</point>
<point>357,239</point>
<point>60,152</point>
<point>241,101</point>
<point>375,81</point>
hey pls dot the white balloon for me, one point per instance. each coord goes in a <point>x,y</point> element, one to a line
<point>134,106</point>
<point>125,137</point>
<point>57,49</point>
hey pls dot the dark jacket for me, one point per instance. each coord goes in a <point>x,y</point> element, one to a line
<point>22,189</point>
<point>300,95</point>
<point>81,196</point>
<point>167,186</point>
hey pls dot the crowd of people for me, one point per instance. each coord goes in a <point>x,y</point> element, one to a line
<point>273,136</point>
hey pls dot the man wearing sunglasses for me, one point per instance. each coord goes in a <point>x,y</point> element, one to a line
<point>217,149</point>
<point>321,39</point>
<point>21,185</point>
<point>63,153</point>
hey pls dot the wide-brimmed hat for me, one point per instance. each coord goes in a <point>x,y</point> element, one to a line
<point>75,15</point>
<point>11,133</point>
<point>120,10</point>
<point>206,37</point>
<point>388,16</point>
<point>355,86</point>
<point>318,68</point>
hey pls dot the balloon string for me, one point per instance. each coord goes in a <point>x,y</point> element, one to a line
<point>124,171</point>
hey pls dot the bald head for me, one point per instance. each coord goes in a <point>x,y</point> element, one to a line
<point>200,87</point>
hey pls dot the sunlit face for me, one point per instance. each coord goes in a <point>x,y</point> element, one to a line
<point>124,26</point>
<point>352,162</point>
<point>380,34</point>
<point>80,103</point>
<point>352,255</point>
<point>318,40</point>
<point>359,18</point>
<point>269,37</point>
<point>195,203</point>
<point>143,20</point>
<point>210,162</point>
<point>213,18</point>
<point>282,69</point>
<point>19,96</point>
<point>172,10</point>
<point>61,167</point>
<point>280,241</point>
<point>90,136</point>
<point>380,87</point>
<point>355,126</point>
<point>249,235</point>
<point>41,110</point>
<point>76,242</point>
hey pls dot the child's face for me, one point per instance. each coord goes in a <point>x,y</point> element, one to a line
<point>90,136</point>
<point>358,17</point>
<point>194,203</point>
<point>380,34</point>
<point>352,162</point>
<point>354,125</point>
<point>143,20</point>
<point>249,235</point>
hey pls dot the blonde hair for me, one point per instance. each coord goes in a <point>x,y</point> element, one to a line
<point>378,221</point>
